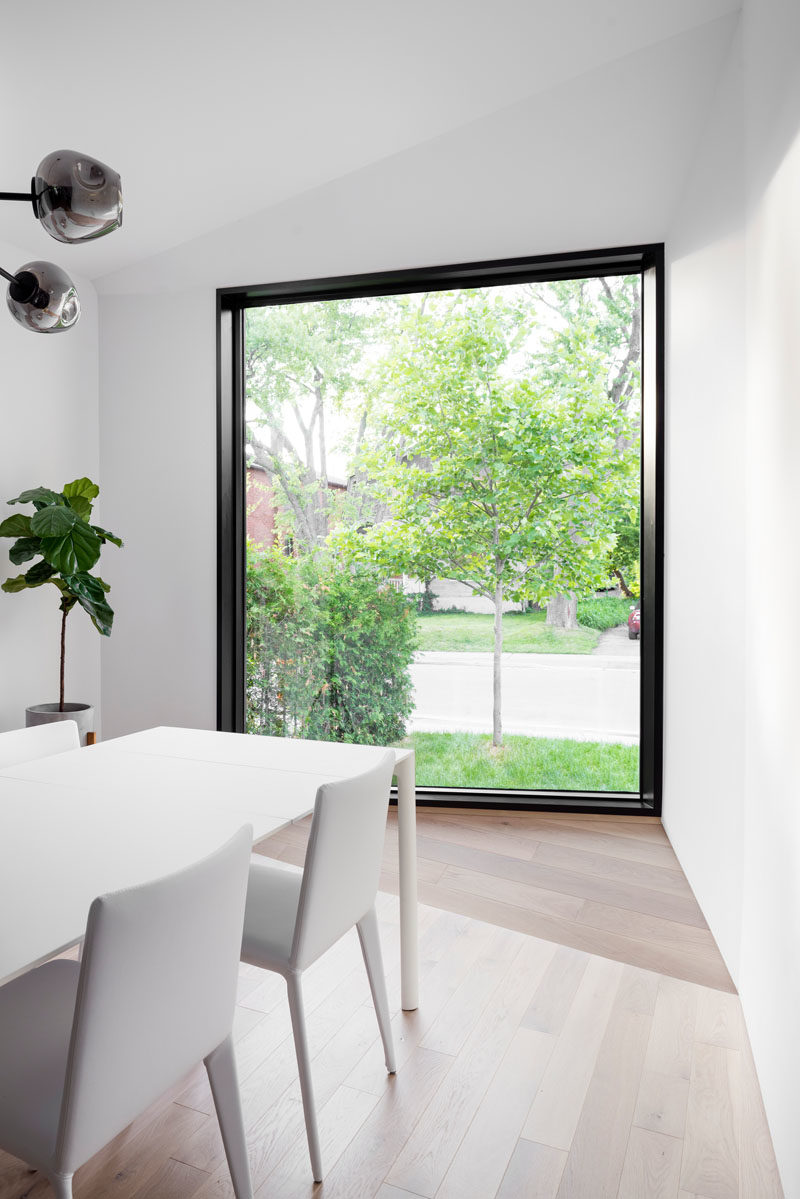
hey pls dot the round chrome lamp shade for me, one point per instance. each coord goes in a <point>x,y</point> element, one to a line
<point>43,298</point>
<point>75,197</point>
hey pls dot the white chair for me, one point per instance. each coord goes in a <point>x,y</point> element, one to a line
<point>39,741</point>
<point>84,1049</point>
<point>291,918</point>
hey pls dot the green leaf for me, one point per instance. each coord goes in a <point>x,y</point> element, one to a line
<point>17,525</point>
<point>80,504</point>
<point>38,574</point>
<point>91,596</point>
<point>104,535</point>
<point>53,521</point>
<point>84,487</point>
<point>18,583</point>
<point>76,550</point>
<point>80,493</point>
<point>35,577</point>
<point>40,497</point>
<point>25,549</point>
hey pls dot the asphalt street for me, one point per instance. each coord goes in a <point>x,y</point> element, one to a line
<point>588,697</point>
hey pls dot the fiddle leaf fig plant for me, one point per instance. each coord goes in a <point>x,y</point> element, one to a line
<point>60,534</point>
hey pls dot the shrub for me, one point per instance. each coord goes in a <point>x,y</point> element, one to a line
<point>328,650</point>
<point>604,611</point>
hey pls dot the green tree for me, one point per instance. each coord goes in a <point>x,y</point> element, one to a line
<point>493,476</point>
<point>593,337</point>
<point>304,363</point>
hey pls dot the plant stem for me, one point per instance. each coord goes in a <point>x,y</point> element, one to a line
<point>61,674</point>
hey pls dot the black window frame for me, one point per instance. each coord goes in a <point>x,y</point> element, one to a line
<point>232,303</point>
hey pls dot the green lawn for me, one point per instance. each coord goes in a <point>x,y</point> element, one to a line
<point>532,763</point>
<point>523,633</point>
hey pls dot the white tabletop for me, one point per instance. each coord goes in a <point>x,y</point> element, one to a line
<point>76,825</point>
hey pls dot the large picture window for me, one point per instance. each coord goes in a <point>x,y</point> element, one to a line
<point>439,522</point>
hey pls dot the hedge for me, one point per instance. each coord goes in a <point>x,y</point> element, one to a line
<point>329,647</point>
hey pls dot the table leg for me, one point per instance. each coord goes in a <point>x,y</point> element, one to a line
<point>407,852</point>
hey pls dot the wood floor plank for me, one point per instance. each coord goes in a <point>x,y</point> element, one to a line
<point>719,1020</point>
<point>426,1156</point>
<point>558,1103</point>
<point>711,1144</point>
<point>657,878</point>
<point>633,896</point>
<point>528,824</point>
<point>174,1181</point>
<point>638,830</point>
<point>553,999</point>
<point>600,1143</point>
<point>644,927</point>
<point>758,1172</point>
<point>673,1031</point>
<point>390,1192</point>
<point>710,972</point>
<point>484,1154</point>
<point>472,836</point>
<point>652,1166</point>
<point>366,1161</point>
<point>506,890</point>
<point>452,1027</point>
<point>661,1104</point>
<point>135,1157</point>
<point>599,840</point>
<point>534,1172</point>
<point>512,815</point>
<point>267,1143</point>
<point>339,1120</point>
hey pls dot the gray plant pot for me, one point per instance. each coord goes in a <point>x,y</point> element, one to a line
<point>82,714</point>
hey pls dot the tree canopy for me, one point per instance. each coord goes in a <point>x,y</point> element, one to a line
<point>496,472</point>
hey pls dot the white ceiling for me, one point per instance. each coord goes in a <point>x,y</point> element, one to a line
<point>214,111</point>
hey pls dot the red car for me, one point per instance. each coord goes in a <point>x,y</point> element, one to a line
<point>634,622</point>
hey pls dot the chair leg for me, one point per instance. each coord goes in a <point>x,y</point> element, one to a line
<point>304,1068</point>
<point>62,1186</point>
<point>221,1067</point>
<point>373,959</point>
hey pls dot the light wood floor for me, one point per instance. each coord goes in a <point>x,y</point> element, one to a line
<point>609,885</point>
<point>552,1060</point>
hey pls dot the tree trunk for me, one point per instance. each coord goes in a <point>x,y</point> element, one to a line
<point>562,612</point>
<point>626,591</point>
<point>497,722</point>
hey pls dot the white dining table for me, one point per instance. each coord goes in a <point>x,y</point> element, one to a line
<point>93,820</point>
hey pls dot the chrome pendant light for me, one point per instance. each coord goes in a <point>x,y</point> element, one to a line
<point>76,198</point>
<point>42,297</point>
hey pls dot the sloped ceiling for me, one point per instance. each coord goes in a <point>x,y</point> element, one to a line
<point>215,112</point>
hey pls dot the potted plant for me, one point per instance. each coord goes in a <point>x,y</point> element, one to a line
<point>59,533</point>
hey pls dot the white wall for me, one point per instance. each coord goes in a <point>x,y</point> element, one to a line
<point>705,620</point>
<point>158,448</point>
<point>732,807</point>
<point>769,975</point>
<point>48,435</point>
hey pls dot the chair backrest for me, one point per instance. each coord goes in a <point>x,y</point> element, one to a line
<point>156,994</point>
<point>39,741</point>
<point>343,859</point>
